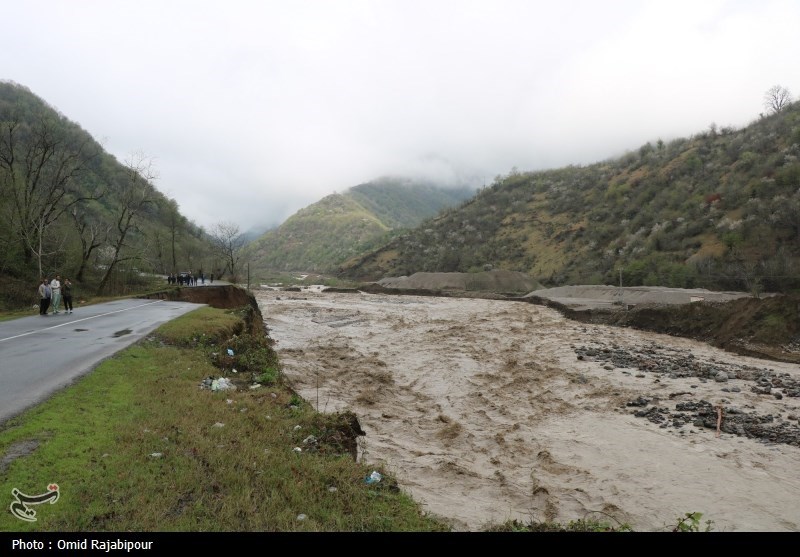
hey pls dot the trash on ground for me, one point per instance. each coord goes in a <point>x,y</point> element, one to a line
<point>156,455</point>
<point>219,424</point>
<point>230,352</point>
<point>333,489</point>
<point>255,386</point>
<point>301,517</point>
<point>221,384</point>
<point>373,478</point>
<point>297,450</point>
<point>310,440</point>
<point>234,370</point>
<point>298,427</point>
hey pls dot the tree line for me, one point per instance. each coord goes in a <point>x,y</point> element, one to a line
<point>71,208</point>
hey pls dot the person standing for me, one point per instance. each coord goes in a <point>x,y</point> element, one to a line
<point>67,294</point>
<point>44,299</point>
<point>55,286</point>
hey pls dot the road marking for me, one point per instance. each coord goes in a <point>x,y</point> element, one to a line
<point>78,321</point>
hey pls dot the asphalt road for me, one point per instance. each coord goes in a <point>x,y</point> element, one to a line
<point>40,355</point>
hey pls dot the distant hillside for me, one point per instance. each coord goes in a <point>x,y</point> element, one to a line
<point>719,210</point>
<point>321,236</point>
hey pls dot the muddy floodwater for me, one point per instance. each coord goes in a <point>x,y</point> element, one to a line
<point>489,410</point>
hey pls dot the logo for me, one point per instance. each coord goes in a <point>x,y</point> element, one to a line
<point>19,507</point>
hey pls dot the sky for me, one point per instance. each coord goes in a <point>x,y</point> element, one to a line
<point>253,109</point>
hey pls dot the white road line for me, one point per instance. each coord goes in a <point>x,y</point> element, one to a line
<point>78,321</point>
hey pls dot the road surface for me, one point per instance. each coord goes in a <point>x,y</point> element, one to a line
<point>40,355</point>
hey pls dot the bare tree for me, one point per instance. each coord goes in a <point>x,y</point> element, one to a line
<point>137,195</point>
<point>228,241</point>
<point>92,235</point>
<point>776,98</point>
<point>39,170</point>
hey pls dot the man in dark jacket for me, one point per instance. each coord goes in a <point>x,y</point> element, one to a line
<point>66,294</point>
<point>44,297</point>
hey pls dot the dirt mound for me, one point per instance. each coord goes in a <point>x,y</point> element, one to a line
<point>600,296</point>
<point>765,327</point>
<point>487,281</point>
<point>223,296</point>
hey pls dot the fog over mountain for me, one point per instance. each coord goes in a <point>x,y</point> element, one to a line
<point>253,110</point>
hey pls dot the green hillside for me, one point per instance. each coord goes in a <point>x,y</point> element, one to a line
<point>69,207</point>
<point>719,210</point>
<point>321,236</point>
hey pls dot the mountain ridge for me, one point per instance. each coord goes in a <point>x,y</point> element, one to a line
<point>720,209</point>
<point>319,237</point>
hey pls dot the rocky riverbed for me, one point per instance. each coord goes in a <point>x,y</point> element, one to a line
<point>662,361</point>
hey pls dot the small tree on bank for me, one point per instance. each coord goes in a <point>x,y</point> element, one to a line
<point>228,241</point>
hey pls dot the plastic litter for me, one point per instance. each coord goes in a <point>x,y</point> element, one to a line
<point>219,424</point>
<point>297,450</point>
<point>301,517</point>
<point>234,370</point>
<point>222,384</point>
<point>333,489</point>
<point>310,440</point>
<point>298,427</point>
<point>230,352</point>
<point>156,455</point>
<point>255,386</point>
<point>373,478</point>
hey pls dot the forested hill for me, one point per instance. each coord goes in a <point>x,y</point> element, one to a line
<point>69,207</point>
<point>720,209</point>
<point>321,236</point>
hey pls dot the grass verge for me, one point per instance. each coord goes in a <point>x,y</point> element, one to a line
<point>137,445</point>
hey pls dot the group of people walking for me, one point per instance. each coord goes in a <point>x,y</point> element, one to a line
<point>188,279</point>
<point>52,293</point>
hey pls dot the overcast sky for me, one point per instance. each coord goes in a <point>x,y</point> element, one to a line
<point>254,109</point>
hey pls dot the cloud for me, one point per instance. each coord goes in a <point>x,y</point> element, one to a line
<point>253,110</point>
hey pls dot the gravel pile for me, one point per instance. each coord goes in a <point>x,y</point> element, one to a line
<point>656,359</point>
